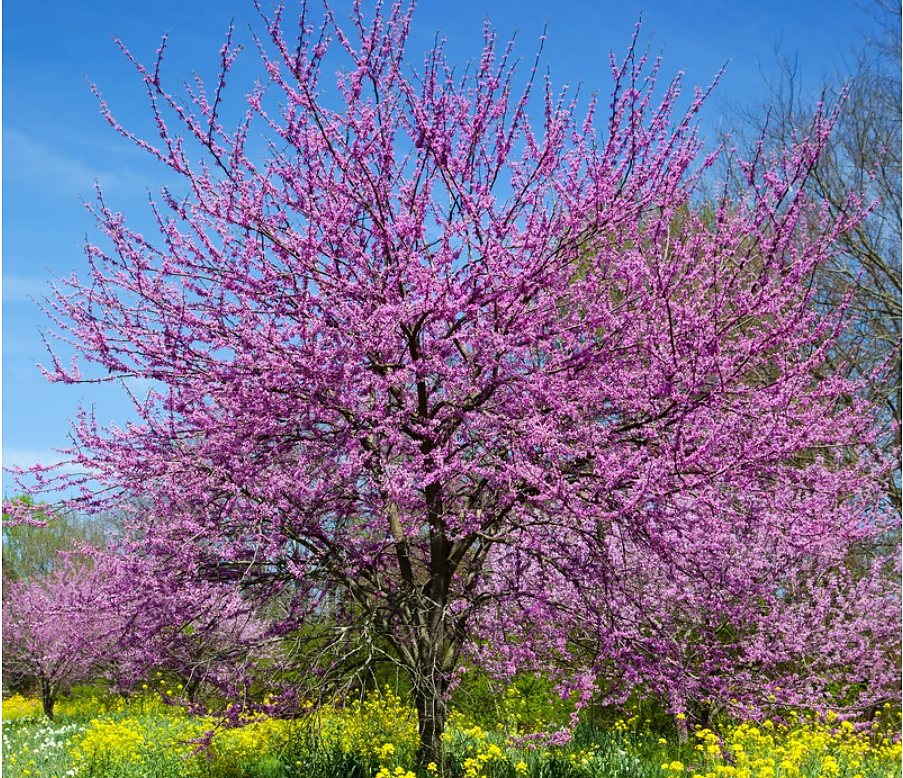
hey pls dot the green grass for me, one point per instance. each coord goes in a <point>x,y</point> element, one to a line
<point>39,747</point>
<point>103,736</point>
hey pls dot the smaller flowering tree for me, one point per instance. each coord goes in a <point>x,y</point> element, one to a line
<point>204,632</point>
<point>58,629</point>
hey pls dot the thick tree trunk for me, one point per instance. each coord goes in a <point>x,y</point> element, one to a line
<point>48,698</point>
<point>432,715</point>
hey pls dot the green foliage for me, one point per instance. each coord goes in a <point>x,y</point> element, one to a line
<point>638,714</point>
<point>329,764</point>
<point>528,704</point>
<point>30,552</point>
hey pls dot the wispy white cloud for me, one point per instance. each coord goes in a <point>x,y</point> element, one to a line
<point>19,289</point>
<point>28,161</point>
<point>141,386</point>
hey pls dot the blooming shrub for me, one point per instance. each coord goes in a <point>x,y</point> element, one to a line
<point>244,745</point>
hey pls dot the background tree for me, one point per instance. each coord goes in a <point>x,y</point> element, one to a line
<point>200,632</point>
<point>31,551</point>
<point>58,629</point>
<point>431,368</point>
<point>863,155</point>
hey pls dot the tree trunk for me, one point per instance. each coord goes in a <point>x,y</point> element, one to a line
<point>48,698</point>
<point>192,687</point>
<point>432,713</point>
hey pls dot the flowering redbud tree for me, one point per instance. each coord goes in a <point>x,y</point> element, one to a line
<point>449,356</point>
<point>58,630</point>
<point>754,623</point>
<point>204,632</point>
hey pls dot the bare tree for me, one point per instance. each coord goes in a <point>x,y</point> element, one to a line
<point>864,156</point>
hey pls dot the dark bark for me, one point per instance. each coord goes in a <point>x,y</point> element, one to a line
<point>436,653</point>
<point>431,702</point>
<point>48,698</point>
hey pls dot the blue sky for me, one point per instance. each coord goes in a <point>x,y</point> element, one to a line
<point>56,144</point>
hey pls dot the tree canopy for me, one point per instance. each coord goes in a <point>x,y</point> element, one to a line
<point>456,367</point>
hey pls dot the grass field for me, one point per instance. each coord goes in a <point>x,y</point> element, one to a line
<point>107,736</point>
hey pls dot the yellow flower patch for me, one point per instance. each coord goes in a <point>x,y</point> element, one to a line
<point>18,707</point>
